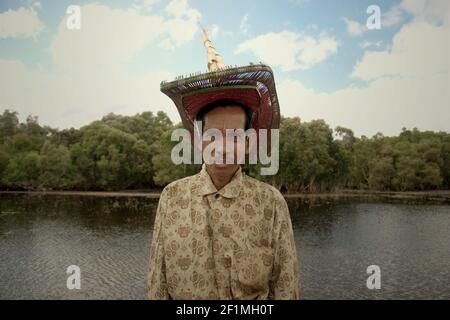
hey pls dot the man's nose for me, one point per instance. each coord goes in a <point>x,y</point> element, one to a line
<point>225,147</point>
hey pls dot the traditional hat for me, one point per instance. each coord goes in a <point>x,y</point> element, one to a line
<point>252,86</point>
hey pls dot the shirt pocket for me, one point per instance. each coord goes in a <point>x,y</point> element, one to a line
<point>251,269</point>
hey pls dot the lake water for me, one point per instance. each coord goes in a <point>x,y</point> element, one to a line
<point>109,239</point>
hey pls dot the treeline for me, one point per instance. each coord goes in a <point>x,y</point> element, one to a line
<point>133,152</point>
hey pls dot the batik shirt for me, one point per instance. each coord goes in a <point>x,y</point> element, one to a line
<point>235,243</point>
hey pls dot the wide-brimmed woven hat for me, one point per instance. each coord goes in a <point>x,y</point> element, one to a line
<point>252,86</point>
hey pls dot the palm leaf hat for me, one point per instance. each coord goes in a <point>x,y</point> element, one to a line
<point>252,86</point>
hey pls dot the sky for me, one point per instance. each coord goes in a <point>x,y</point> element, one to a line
<point>71,69</point>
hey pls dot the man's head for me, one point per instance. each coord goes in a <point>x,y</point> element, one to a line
<point>225,103</point>
<point>225,115</point>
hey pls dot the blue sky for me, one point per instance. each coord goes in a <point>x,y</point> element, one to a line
<point>327,63</point>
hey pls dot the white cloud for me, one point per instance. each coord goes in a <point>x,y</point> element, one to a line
<point>367,44</point>
<point>183,24</point>
<point>66,100</point>
<point>108,38</point>
<point>20,23</point>
<point>354,28</point>
<point>181,8</point>
<point>388,19</point>
<point>430,11</point>
<point>407,85</point>
<point>290,50</point>
<point>418,50</point>
<point>35,4</point>
<point>145,5</point>
<point>385,106</point>
<point>213,31</point>
<point>166,44</point>
<point>150,3</point>
<point>392,17</point>
<point>90,76</point>
<point>243,26</point>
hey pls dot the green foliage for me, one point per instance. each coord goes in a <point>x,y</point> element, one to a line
<point>130,152</point>
<point>22,171</point>
<point>56,170</point>
<point>310,160</point>
<point>9,123</point>
<point>108,158</point>
<point>165,170</point>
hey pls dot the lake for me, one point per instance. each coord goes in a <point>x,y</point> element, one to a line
<point>109,239</point>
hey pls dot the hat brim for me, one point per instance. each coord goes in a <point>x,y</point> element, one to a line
<point>252,86</point>
<point>248,96</point>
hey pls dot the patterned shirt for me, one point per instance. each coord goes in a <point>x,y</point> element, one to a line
<point>235,243</point>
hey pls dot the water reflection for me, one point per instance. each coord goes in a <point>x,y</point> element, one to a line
<point>109,238</point>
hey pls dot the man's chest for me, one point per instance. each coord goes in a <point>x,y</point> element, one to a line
<point>217,243</point>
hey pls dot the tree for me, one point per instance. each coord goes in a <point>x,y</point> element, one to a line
<point>22,171</point>
<point>109,158</point>
<point>55,167</point>
<point>9,123</point>
<point>382,173</point>
<point>165,170</point>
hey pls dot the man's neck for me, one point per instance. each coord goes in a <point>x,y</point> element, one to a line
<point>221,181</point>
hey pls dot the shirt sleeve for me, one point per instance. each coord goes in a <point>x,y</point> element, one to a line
<point>285,276</point>
<point>157,283</point>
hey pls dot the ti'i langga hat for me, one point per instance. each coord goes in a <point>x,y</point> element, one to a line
<point>252,86</point>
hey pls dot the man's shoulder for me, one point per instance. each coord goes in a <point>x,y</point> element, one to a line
<point>179,184</point>
<point>263,187</point>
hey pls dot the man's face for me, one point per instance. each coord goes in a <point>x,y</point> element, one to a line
<point>223,118</point>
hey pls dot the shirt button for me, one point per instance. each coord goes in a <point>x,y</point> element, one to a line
<point>217,196</point>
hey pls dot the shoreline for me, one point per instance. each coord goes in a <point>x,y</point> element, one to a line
<point>435,196</point>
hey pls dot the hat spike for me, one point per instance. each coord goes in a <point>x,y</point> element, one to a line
<point>215,61</point>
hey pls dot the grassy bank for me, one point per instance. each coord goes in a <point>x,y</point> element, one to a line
<point>434,196</point>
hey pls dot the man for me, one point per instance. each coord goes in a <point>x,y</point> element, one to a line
<point>221,234</point>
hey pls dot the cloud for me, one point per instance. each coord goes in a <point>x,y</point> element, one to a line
<point>290,50</point>
<point>354,28</point>
<point>388,19</point>
<point>418,50</point>
<point>145,5</point>
<point>108,38</point>
<point>183,23</point>
<point>392,17</point>
<point>430,11</point>
<point>243,26</point>
<point>213,31</point>
<point>385,106</point>
<point>66,100</point>
<point>406,85</point>
<point>367,44</point>
<point>166,44</point>
<point>89,75</point>
<point>20,23</point>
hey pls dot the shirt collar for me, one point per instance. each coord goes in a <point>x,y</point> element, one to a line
<point>231,190</point>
